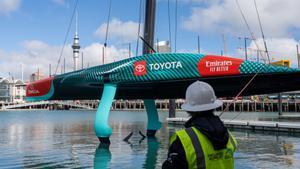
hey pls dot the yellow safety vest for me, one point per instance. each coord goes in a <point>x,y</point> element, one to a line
<point>200,153</point>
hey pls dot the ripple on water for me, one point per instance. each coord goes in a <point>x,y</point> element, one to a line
<point>65,139</point>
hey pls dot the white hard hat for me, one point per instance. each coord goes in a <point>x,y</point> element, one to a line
<point>200,96</point>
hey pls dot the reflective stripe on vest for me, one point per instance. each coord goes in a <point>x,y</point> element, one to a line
<point>200,152</point>
<point>198,148</point>
<point>172,139</point>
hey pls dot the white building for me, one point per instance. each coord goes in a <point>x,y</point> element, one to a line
<point>162,47</point>
<point>12,90</point>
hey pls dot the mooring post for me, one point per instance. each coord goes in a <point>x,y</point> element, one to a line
<point>279,104</point>
<point>172,108</point>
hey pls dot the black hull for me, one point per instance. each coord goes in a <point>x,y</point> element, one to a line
<point>226,86</point>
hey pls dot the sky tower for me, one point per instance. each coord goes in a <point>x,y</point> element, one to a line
<point>76,45</point>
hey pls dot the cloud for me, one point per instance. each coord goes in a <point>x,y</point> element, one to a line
<point>279,49</point>
<point>277,16</point>
<point>34,45</point>
<point>201,2</point>
<point>60,2</point>
<point>38,55</point>
<point>119,30</point>
<point>93,53</point>
<point>8,6</point>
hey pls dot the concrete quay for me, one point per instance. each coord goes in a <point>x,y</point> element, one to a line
<point>290,127</point>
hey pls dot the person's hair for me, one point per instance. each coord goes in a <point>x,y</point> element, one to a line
<point>202,113</point>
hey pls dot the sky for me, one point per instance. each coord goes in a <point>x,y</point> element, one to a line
<point>32,32</point>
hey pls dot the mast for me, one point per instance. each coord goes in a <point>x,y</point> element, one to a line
<point>149,25</point>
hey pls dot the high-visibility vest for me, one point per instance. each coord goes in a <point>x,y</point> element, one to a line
<point>200,153</point>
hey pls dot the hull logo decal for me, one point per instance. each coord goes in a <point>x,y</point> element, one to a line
<point>219,66</point>
<point>166,65</point>
<point>140,68</point>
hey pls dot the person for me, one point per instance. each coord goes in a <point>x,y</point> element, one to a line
<point>205,142</point>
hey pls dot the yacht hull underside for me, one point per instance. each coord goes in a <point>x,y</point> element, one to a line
<point>226,86</point>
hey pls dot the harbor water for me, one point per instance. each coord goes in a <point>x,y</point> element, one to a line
<point>65,139</point>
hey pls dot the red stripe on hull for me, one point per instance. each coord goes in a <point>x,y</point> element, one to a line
<point>39,88</point>
<point>211,65</point>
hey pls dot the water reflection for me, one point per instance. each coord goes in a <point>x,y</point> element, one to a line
<point>152,152</point>
<point>266,149</point>
<point>64,139</point>
<point>102,157</point>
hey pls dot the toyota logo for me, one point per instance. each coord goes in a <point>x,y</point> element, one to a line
<point>140,68</point>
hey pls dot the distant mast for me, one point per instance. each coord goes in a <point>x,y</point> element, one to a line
<point>76,45</point>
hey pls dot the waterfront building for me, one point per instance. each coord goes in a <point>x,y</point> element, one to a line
<point>12,91</point>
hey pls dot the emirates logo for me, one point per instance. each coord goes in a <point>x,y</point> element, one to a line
<point>211,65</point>
<point>140,68</point>
<point>32,90</point>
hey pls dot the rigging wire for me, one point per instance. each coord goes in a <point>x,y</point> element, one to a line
<point>107,25</point>
<point>106,33</point>
<point>175,40</point>
<point>247,25</point>
<point>255,75</point>
<point>139,29</point>
<point>170,33</point>
<point>66,36</point>
<point>149,46</point>
<point>262,32</point>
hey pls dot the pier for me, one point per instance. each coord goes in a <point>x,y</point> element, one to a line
<point>239,105</point>
<point>290,127</point>
<point>235,106</point>
<point>48,105</point>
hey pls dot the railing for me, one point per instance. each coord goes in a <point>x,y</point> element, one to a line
<point>239,105</point>
<point>48,103</point>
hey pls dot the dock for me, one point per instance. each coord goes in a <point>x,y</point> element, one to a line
<point>290,127</point>
<point>233,106</point>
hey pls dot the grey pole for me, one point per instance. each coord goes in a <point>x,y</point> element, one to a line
<point>246,55</point>
<point>64,65</point>
<point>103,53</point>
<point>224,44</point>
<point>129,50</point>
<point>279,104</point>
<point>198,44</point>
<point>81,60</point>
<point>172,108</point>
<point>157,47</point>
<point>298,55</point>
<point>257,52</point>
<point>50,70</point>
